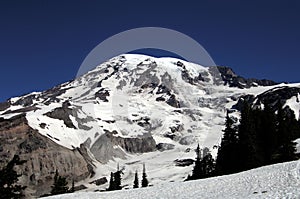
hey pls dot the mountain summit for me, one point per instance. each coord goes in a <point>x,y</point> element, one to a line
<point>132,109</point>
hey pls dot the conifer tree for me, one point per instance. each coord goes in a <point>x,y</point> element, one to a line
<point>111,183</point>
<point>136,180</point>
<point>207,166</point>
<point>144,177</point>
<point>266,133</point>
<point>59,185</point>
<point>9,178</point>
<point>115,180</point>
<point>204,167</point>
<point>227,153</point>
<point>286,147</point>
<point>197,171</point>
<point>72,187</point>
<point>247,140</point>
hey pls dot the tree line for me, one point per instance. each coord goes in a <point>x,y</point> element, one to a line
<point>264,136</point>
<point>261,137</point>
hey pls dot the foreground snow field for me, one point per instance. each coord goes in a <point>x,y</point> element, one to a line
<point>274,181</point>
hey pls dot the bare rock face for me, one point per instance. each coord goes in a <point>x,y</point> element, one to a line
<point>272,97</point>
<point>108,146</point>
<point>43,156</point>
<point>229,77</point>
<point>62,113</point>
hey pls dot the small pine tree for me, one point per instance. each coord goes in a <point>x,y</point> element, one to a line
<point>72,190</point>
<point>59,185</point>
<point>144,177</point>
<point>111,183</point>
<point>197,168</point>
<point>9,178</point>
<point>204,167</point>
<point>136,180</point>
<point>207,166</point>
<point>227,152</point>
<point>117,179</point>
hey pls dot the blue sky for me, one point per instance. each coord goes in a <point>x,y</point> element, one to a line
<point>43,42</point>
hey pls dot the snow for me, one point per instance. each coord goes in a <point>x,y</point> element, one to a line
<point>294,104</point>
<point>201,117</point>
<point>274,181</point>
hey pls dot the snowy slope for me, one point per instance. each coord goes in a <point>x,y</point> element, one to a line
<point>178,103</point>
<point>275,181</point>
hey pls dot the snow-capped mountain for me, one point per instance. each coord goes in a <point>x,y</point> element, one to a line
<point>130,110</point>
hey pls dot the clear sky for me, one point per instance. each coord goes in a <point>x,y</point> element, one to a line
<point>43,42</point>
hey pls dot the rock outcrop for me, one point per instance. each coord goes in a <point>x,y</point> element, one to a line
<point>109,146</point>
<point>230,78</point>
<point>43,156</point>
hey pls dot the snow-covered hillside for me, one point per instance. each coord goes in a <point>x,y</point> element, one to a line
<point>136,109</point>
<point>275,181</point>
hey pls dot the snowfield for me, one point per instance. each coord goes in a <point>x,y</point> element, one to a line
<point>274,181</point>
<point>177,104</point>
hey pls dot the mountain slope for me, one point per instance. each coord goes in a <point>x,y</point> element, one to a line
<point>136,109</point>
<point>274,181</point>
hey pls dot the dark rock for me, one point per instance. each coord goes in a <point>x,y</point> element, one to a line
<point>239,105</point>
<point>163,89</point>
<point>25,101</point>
<point>272,97</point>
<point>180,64</point>
<point>187,78</point>
<point>171,135</point>
<point>42,155</point>
<point>104,149</point>
<point>187,140</point>
<point>31,144</point>
<point>230,78</point>
<point>4,105</point>
<point>43,125</point>
<point>102,94</point>
<point>62,113</point>
<point>51,95</point>
<point>80,187</point>
<point>149,85</point>
<point>165,146</point>
<point>100,181</point>
<point>173,102</point>
<point>183,162</point>
<point>160,99</point>
<point>22,110</point>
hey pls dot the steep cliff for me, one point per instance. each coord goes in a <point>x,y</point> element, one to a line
<point>43,156</point>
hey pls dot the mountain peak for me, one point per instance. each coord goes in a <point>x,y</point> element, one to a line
<point>134,104</point>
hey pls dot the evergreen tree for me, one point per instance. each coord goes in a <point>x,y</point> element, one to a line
<point>111,183</point>
<point>144,177</point>
<point>286,125</point>
<point>204,167</point>
<point>59,185</point>
<point>72,190</point>
<point>263,137</point>
<point>247,148</point>
<point>208,166</point>
<point>136,180</point>
<point>266,133</point>
<point>227,153</point>
<point>115,180</point>
<point>9,178</point>
<point>197,171</point>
